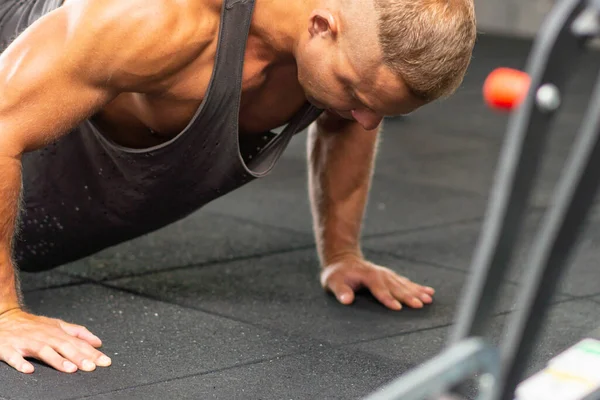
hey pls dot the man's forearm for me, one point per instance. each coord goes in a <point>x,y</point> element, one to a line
<point>10,185</point>
<point>340,158</point>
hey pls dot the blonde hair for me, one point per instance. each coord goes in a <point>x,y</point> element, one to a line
<point>428,43</point>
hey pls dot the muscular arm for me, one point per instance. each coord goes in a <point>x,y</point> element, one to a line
<point>64,68</point>
<point>341,157</point>
<point>10,182</point>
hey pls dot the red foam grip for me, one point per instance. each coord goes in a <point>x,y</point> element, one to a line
<point>506,88</point>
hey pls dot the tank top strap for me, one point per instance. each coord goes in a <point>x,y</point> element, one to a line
<point>225,88</point>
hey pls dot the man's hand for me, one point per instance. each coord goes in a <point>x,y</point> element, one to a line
<point>347,275</point>
<point>63,346</point>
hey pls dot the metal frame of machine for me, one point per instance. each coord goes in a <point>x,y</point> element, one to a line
<point>563,38</point>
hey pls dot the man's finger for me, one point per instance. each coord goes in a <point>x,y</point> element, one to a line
<point>425,292</point>
<point>405,281</point>
<point>342,292</point>
<point>72,353</point>
<point>383,294</point>
<point>81,332</point>
<point>11,356</point>
<point>405,294</point>
<point>90,353</point>
<point>47,354</point>
<point>425,298</point>
<point>422,293</point>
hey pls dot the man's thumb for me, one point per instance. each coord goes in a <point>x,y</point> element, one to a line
<point>347,297</point>
<point>337,286</point>
<point>343,292</point>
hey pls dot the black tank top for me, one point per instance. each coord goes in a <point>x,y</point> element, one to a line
<point>85,193</point>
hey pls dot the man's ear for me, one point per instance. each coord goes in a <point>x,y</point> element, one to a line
<point>323,23</point>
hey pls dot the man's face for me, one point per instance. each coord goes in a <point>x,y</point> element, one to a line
<point>346,76</point>
<point>366,97</point>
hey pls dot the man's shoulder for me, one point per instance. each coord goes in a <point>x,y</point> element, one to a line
<point>141,40</point>
<point>174,18</point>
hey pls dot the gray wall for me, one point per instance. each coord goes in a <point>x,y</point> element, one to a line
<point>512,17</point>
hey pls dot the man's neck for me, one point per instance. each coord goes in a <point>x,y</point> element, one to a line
<point>278,25</point>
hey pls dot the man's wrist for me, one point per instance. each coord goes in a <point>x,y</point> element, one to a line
<point>334,258</point>
<point>10,298</point>
<point>5,309</point>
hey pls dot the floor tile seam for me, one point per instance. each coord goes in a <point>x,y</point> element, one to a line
<point>257,224</point>
<point>58,286</point>
<point>390,336</point>
<point>595,301</point>
<point>554,303</point>
<point>416,260</point>
<point>269,329</point>
<point>589,297</point>
<point>384,179</point>
<point>286,334</point>
<point>211,262</point>
<point>114,286</point>
<point>469,137</point>
<point>287,355</point>
<point>199,374</point>
<point>204,264</point>
<point>292,354</point>
<point>422,228</point>
<point>365,236</point>
<point>532,211</point>
<point>569,298</point>
<point>415,331</point>
<point>277,252</point>
<point>218,261</point>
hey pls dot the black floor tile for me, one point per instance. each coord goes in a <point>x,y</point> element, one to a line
<point>472,169</point>
<point>200,238</point>
<point>455,245</point>
<point>358,370</point>
<point>42,280</point>
<point>332,374</point>
<point>148,341</point>
<point>282,292</point>
<point>393,205</point>
<point>401,145</point>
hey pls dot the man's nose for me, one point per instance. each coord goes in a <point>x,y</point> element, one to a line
<point>367,119</point>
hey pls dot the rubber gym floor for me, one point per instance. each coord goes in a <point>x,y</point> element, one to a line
<point>226,304</point>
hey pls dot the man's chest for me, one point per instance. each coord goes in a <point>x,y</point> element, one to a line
<point>270,97</point>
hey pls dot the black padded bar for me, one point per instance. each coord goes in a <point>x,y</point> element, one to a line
<point>561,228</point>
<point>526,137</point>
